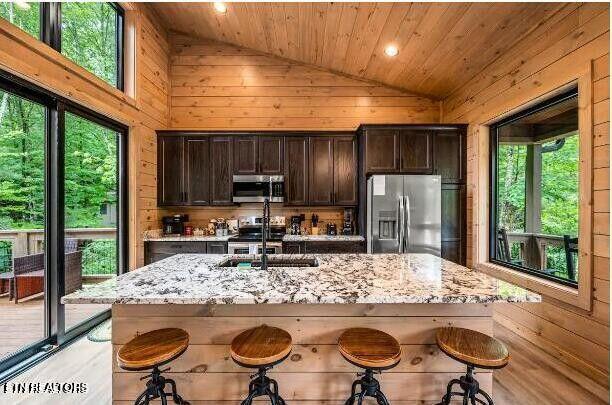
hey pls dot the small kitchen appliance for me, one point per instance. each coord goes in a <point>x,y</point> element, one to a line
<point>332,230</point>
<point>348,227</point>
<point>174,224</point>
<point>296,224</point>
<point>256,188</point>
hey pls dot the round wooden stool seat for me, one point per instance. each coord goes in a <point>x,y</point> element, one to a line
<point>472,348</point>
<point>369,348</point>
<point>261,346</point>
<point>153,349</point>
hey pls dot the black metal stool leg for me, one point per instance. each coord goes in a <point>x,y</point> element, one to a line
<point>381,398</point>
<point>487,397</point>
<point>142,399</point>
<point>162,396</point>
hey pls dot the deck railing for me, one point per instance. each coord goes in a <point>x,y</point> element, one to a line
<point>538,251</point>
<point>97,244</point>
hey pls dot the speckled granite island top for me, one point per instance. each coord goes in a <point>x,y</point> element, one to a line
<point>339,278</point>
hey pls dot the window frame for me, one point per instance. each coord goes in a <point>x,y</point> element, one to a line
<point>57,337</point>
<point>51,34</point>
<point>493,184</point>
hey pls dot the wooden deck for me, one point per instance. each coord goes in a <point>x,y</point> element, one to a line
<point>532,377</point>
<point>22,324</point>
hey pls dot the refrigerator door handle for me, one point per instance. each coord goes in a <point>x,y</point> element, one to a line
<point>400,224</point>
<point>407,216</point>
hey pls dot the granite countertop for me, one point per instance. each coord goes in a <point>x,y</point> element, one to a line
<point>184,238</point>
<point>328,238</point>
<point>339,278</point>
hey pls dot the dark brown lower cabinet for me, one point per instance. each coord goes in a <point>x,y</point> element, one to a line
<point>323,247</point>
<point>159,250</point>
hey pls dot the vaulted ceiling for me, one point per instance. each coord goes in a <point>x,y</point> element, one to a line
<point>441,45</point>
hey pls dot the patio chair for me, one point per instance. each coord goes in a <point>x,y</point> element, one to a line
<point>28,275</point>
<point>503,248</point>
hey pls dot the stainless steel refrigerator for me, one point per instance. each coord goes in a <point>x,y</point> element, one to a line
<point>404,214</point>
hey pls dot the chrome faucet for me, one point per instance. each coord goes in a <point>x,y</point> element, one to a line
<point>265,228</point>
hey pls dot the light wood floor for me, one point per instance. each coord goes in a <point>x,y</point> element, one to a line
<point>22,324</point>
<point>532,377</point>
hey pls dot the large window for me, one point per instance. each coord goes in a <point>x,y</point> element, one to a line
<point>62,217</point>
<point>23,14</point>
<point>534,191</point>
<point>91,37</point>
<point>90,34</point>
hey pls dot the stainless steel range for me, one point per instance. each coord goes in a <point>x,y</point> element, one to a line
<point>248,240</point>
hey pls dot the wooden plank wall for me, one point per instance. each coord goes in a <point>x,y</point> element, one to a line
<point>219,86</point>
<point>29,58</point>
<point>550,57</point>
<point>315,373</point>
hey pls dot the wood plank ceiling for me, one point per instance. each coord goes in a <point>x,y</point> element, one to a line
<point>441,45</point>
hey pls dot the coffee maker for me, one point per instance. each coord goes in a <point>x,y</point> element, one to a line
<point>296,224</point>
<point>348,227</point>
<point>174,224</point>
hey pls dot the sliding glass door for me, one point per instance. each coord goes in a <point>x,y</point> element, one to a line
<point>91,187</point>
<point>22,223</point>
<point>63,226</point>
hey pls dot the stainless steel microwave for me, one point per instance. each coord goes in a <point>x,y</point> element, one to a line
<point>255,188</point>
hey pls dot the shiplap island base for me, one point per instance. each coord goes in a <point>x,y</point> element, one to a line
<point>407,296</point>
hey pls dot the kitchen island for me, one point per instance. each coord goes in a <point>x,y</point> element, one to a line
<point>408,296</point>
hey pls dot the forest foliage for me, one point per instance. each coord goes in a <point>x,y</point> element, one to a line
<point>88,38</point>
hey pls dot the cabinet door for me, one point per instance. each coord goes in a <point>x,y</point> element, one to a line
<point>245,154</point>
<point>321,178</point>
<point>345,171</point>
<point>450,155</point>
<point>221,170</point>
<point>382,151</point>
<point>296,170</point>
<point>293,248</point>
<point>170,190</point>
<point>416,149</point>
<point>453,223</point>
<point>271,154</point>
<point>216,248</point>
<point>197,174</point>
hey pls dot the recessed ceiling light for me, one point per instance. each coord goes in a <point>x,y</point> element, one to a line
<point>391,50</point>
<point>220,7</point>
<point>22,4</point>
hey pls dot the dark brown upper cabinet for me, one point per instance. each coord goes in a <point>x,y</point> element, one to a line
<point>321,178</point>
<point>197,176</point>
<point>415,151</point>
<point>258,154</point>
<point>245,154</point>
<point>194,170</point>
<point>221,164</point>
<point>382,147</point>
<point>271,153</point>
<point>170,190</point>
<point>345,171</point>
<point>450,155</point>
<point>296,170</point>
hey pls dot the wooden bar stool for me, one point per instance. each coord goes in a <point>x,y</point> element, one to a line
<point>374,351</point>
<point>261,348</point>
<point>474,349</point>
<point>150,351</point>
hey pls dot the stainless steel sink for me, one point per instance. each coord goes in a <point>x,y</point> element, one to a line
<point>249,262</point>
